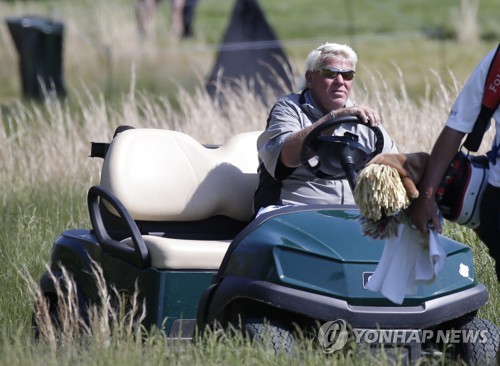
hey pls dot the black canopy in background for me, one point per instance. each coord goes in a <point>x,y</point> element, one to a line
<point>252,52</point>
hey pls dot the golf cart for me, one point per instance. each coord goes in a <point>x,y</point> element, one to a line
<point>174,219</point>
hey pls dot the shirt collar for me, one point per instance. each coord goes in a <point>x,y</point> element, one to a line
<point>308,104</point>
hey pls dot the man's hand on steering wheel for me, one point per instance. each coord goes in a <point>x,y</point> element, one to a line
<point>364,113</point>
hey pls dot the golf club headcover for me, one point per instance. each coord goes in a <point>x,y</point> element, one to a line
<point>410,168</point>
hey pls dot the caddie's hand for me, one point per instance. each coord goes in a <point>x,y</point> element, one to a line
<point>410,168</point>
<point>424,211</point>
<point>366,114</point>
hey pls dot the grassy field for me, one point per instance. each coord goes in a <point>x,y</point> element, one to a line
<point>103,51</point>
<point>114,77</point>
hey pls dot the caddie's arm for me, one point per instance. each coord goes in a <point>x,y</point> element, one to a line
<point>424,209</point>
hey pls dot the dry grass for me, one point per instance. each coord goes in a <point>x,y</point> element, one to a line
<point>59,317</point>
<point>113,334</point>
<point>51,141</point>
<point>45,147</point>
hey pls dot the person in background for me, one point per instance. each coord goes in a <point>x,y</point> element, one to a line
<point>461,119</point>
<point>188,14</point>
<point>145,11</point>
<point>176,17</point>
<point>181,17</point>
<point>283,180</point>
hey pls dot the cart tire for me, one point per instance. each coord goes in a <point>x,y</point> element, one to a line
<point>272,334</point>
<point>484,350</point>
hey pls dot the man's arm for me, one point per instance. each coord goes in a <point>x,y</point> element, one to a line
<point>424,208</point>
<point>290,154</point>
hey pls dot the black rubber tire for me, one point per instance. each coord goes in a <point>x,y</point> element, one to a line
<point>480,353</point>
<point>272,334</point>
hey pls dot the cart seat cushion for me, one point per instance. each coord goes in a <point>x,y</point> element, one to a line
<point>163,175</point>
<point>168,253</point>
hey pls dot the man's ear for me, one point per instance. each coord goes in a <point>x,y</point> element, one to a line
<point>309,75</point>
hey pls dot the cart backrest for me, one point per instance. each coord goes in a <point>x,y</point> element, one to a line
<point>163,175</point>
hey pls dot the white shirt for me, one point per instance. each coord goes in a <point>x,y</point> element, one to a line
<point>466,108</point>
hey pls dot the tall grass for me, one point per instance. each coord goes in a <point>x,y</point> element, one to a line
<point>45,170</point>
<point>45,173</point>
<point>50,142</point>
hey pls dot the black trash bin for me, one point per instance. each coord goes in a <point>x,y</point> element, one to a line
<point>39,42</point>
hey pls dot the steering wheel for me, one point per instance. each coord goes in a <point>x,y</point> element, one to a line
<point>338,157</point>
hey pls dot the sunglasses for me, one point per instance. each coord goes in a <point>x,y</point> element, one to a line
<point>333,72</point>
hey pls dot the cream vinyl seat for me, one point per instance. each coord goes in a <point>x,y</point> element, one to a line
<point>167,176</point>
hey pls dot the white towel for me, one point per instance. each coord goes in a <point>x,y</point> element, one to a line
<point>408,259</point>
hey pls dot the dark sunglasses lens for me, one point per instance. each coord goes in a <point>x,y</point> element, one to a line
<point>348,75</point>
<point>330,74</point>
<point>327,73</point>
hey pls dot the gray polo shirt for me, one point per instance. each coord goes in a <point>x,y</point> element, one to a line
<point>280,185</point>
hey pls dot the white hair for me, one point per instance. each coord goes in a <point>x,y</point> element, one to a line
<point>316,57</point>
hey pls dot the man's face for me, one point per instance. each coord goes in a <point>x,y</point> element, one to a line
<point>330,93</point>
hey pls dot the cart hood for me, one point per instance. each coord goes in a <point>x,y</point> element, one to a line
<point>324,251</point>
<point>332,234</point>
